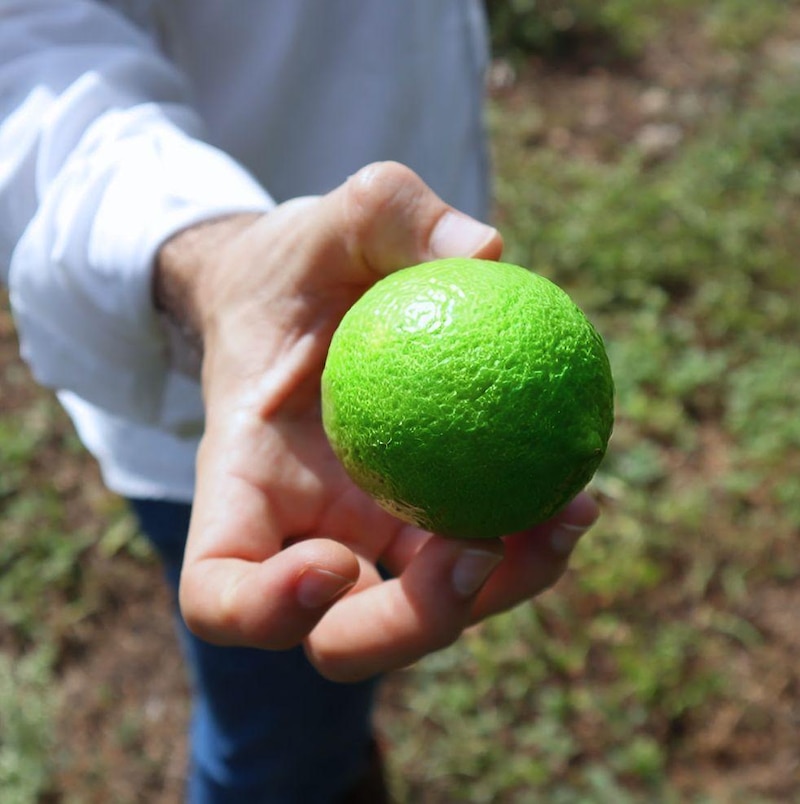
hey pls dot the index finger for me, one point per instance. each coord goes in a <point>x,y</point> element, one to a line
<point>239,585</point>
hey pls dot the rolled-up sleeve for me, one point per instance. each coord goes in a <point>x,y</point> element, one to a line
<point>101,159</point>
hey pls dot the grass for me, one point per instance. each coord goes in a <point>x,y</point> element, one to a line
<point>600,692</point>
<point>617,30</point>
<point>53,515</point>
<point>658,670</point>
<point>27,736</point>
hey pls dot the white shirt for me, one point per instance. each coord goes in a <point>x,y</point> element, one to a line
<point>123,122</point>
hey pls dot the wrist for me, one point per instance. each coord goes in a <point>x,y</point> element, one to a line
<point>185,269</point>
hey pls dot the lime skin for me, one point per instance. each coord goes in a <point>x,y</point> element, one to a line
<point>469,397</point>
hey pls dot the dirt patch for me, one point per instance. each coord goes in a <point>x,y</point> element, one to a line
<point>751,743</point>
<point>124,699</point>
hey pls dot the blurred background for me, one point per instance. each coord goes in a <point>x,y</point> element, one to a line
<point>647,157</point>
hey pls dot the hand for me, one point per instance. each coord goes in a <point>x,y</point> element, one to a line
<point>282,547</point>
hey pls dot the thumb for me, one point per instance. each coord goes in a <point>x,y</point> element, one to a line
<point>392,219</point>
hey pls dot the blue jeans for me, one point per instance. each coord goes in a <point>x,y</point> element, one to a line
<point>266,727</point>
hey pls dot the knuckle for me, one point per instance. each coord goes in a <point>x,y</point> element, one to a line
<point>333,666</point>
<point>388,215</point>
<point>196,623</point>
<point>379,191</point>
<point>442,634</point>
<point>440,627</point>
<point>197,616</point>
<point>552,573</point>
<point>380,182</point>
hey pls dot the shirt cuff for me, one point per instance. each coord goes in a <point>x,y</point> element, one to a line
<point>81,276</point>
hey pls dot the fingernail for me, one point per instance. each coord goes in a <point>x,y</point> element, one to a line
<point>564,537</point>
<point>471,570</point>
<point>458,235</point>
<point>318,587</point>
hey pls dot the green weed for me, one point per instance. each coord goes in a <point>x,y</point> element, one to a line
<point>621,29</point>
<point>27,734</point>
<point>44,589</point>
<point>688,268</point>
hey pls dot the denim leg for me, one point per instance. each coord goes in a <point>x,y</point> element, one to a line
<point>266,727</point>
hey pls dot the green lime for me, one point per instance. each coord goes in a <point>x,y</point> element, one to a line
<point>469,397</point>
